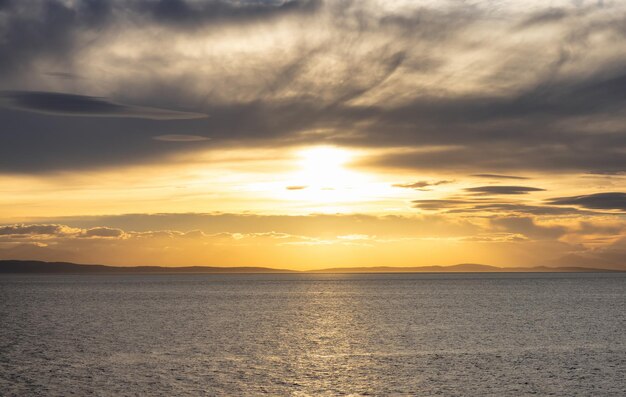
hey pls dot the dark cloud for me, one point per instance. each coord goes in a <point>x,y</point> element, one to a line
<point>518,209</point>
<point>184,13</point>
<point>33,229</point>
<point>550,15</point>
<point>299,187</point>
<point>498,176</point>
<point>64,75</point>
<point>480,206</point>
<point>50,28</point>
<point>528,227</point>
<point>37,30</point>
<point>38,143</point>
<point>421,185</point>
<point>79,105</point>
<point>496,190</point>
<point>571,155</point>
<point>105,232</point>
<point>536,118</point>
<point>586,227</point>
<point>442,204</point>
<point>558,125</point>
<point>605,174</point>
<point>180,138</point>
<point>600,201</point>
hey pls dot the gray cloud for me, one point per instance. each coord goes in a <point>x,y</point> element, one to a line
<point>469,205</point>
<point>34,229</point>
<point>442,204</point>
<point>601,201</point>
<point>183,13</point>
<point>528,227</point>
<point>45,30</point>
<point>79,105</point>
<point>520,209</point>
<point>52,230</point>
<point>489,190</point>
<point>352,73</point>
<point>180,138</point>
<point>38,143</point>
<point>421,185</point>
<point>567,156</point>
<point>498,176</point>
<point>105,232</point>
<point>550,15</point>
<point>48,29</point>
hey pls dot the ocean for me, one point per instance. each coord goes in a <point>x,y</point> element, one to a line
<point>506,334</point>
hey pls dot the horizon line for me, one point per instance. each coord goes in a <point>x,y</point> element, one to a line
<point>37,266</point>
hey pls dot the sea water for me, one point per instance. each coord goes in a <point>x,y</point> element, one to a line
<point>560,334</point>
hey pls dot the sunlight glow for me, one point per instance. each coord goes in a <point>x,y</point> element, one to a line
<point>323,167</point>
<point>322,178</point>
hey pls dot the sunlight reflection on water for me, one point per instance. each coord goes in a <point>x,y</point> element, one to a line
<point>426,334</point>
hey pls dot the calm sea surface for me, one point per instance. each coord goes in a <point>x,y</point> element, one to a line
<point>382,334</point>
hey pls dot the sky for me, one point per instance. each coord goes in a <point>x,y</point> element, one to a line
<point>308,134</point>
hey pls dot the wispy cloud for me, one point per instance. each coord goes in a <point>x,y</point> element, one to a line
<point>601,201</point>
<point>180,138</point>
<point>421,185</point>
<point>498,176</point>
<point>79,105</point>
<point>499,189</point>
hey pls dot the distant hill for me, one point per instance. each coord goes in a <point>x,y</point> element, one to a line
<point>19,266</point>
<point>461,268</point>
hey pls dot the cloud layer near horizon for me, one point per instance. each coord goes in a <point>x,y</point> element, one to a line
<point>316,241</point>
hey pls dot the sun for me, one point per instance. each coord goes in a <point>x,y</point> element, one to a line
<point>324,167</point>
<point>319,179</point>
<point>321,176</point>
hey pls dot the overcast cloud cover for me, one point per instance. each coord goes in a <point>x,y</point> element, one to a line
<point>491,86</point>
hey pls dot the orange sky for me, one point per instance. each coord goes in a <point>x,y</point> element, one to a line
<point>309,135</point>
